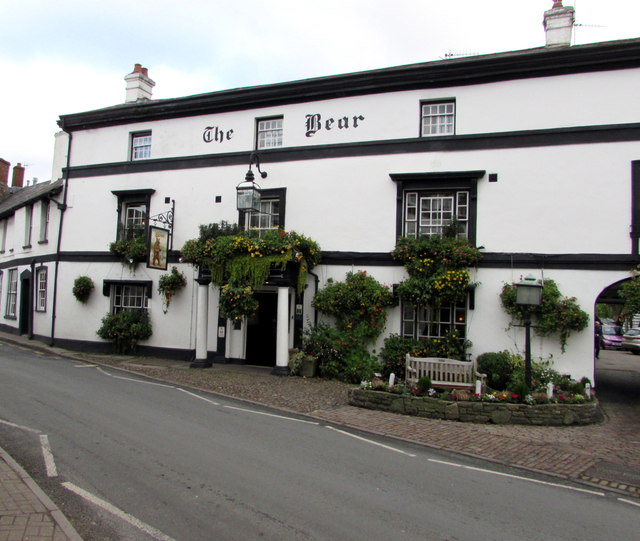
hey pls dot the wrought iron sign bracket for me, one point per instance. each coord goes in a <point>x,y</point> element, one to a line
<point>166,219</point>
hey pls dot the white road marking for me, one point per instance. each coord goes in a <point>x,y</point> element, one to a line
<point>135,380</point>
<point>272,415</point>
<point>637,504</point>
<point>32,430</point>
<point>528,479</point>
<point>130,519</point>
<point>84,366</point>
<point>197,396</point>
<point>49,462</point>
<point>371,442</point>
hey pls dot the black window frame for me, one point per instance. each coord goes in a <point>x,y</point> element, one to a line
<point>131,197</point>
<point>257,136</point>
<point>449,181</point>
<point>132,137</point>
<point>269,193</point>
<point>439,101</point>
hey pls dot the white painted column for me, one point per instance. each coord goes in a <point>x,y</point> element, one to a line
<point>282,333</point>
<point>202,326</point>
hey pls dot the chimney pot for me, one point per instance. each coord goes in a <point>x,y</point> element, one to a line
<point>139,85</point>
<point>18,176</point>
<point>4,171</point>
<point>558,24</point>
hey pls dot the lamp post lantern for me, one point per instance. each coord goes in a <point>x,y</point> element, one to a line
<point>248,192</point>
<point>528,294</point>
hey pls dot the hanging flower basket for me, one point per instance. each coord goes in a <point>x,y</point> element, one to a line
<point>237,302</point>
<point>169,285</point>
<point>82,287</point>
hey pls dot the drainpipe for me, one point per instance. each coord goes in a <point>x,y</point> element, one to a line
<point>32,298</point>
<point>61,207</point>
<point>316,282</point>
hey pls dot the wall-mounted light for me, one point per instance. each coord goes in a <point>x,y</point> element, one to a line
<point>248,192</point>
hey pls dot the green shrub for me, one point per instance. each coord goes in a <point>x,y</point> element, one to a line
<point>329,346</point>
<point>424,384</point>
<point>499,368</point>
<point>357,304</point>
<point>394,353</point>
<point>125,329</point>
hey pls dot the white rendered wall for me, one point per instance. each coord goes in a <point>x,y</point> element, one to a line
<point>528,104</point>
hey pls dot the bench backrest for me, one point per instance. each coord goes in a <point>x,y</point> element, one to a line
<point>445,371</point>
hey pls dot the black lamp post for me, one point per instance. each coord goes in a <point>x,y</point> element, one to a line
<point>248,192</point>
<point>528,294</point>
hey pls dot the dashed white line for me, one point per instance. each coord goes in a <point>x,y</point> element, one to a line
<point>130,519</point>
<point>530,480</point>
<point>630,502</point>
<point>135,380</point>
<point>49,462</point>
<point>197,396</point>
<point>272,415</point>
<point>388,447</point>
<point>32,430</point>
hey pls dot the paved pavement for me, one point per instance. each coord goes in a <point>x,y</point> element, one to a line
<point>606,455</point>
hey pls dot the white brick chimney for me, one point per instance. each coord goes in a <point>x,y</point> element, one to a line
<point>139,85</point>
<point>558,24</point>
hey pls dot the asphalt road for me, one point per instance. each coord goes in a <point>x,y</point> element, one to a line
<point>133,459</point>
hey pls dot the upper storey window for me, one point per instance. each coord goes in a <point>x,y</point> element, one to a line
<point>141,146</point>
<point>269,133</point>
<point>438,118</point>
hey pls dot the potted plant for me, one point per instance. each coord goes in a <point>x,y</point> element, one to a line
<point>82,287</point>
<point>169,284</point>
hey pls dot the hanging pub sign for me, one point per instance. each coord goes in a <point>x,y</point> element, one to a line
<point>158,248</point>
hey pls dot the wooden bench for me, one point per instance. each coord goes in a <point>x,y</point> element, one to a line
<point>444,372</point>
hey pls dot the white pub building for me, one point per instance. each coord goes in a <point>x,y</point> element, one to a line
<point>536,152</point>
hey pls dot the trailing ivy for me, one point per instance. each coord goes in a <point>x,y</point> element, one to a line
<point>556,313</point>
<point>243,260</point>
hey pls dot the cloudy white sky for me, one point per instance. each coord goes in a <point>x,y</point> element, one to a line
<point>67,56</point>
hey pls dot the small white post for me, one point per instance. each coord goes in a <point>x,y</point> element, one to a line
<point>392,380</point>
<point>478,386</point>
<point>587,390</point>
<point>549,390</point>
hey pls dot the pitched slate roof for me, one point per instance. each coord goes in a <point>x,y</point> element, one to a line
<point>27,195</point>
<point>524,64</point>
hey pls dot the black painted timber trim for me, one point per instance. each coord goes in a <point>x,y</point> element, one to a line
<point>484,141</point>
<point>496,260</point>
<point>529,63</point>
<point>490,260</point>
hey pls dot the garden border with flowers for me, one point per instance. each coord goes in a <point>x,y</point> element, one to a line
<point>496,408</point>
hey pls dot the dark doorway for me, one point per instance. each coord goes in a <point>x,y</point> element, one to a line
<point>26,301</point>
<point>261,330</point>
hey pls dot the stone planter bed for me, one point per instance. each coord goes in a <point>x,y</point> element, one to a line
<point>478,412</point>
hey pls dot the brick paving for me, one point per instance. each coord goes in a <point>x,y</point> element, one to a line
<point>26,513</point>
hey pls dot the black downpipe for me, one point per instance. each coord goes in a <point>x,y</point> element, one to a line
<point>315,312</point>
<point>62,208</point>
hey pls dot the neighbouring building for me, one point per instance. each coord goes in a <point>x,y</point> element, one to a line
<point>536,152</point>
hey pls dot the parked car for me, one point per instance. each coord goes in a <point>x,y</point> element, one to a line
<point>612,337</point>
<point>631,341</point>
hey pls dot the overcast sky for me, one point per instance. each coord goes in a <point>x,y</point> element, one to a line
<point>67,56</point>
